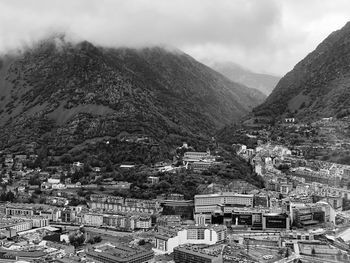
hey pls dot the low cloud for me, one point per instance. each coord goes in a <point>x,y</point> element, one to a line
<point>263,35</point>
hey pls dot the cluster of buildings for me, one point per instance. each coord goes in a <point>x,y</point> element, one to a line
<point>109,253</point>
<point>168,238</point>
<point>120,204</point>
<point>300,195</point>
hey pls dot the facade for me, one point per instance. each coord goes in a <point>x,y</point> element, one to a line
<point>275,221</point>
<point>125,222</point>
<point>153,179</point>
<point>93,219</point>
<point>142,222</point>
<point>37,221</point>
<point>18,224</point>
<point>183,208</point>
<point>119,204</point>
<point>168,239</point>
<point>198,161</point>
<point>169,220</point>
<point>201,165</point>
<point>309,214</point>
<point>19,210</point>
<point>206,205</point>
<point>16,256</point>
<point>196,156</point>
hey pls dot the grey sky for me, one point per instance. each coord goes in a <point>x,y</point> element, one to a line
<point>263,35</point>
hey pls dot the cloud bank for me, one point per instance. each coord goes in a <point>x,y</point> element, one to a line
<point>263,35</point>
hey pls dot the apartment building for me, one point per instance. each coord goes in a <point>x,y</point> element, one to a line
<point>127,222</point>
<point>17,224</point>
<point>37,221</point>
<point>311,214</point>
<point>197,156</point>
<point>19,210</point>
<point>119,204</point>
<point>206,205</point>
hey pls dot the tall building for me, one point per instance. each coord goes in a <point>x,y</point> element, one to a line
<point>311,214</point>
<point>209,204</point>
<point>275,221</point>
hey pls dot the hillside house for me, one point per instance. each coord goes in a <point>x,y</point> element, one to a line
<point>289,120</point>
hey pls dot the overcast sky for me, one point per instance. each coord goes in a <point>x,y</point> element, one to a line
<point>263,35</point>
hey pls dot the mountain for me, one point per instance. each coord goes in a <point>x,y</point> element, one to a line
<point>62,96</point>
<point>318,86</point>
<point>263,82</point>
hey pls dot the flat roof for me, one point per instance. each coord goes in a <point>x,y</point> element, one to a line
<point>119,253</point>
<point>224,194</point>
<point>198,251</point>
<point>35,254</point>
<point>309,222</point>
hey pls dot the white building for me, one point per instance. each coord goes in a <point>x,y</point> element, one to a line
<point>209,235</point>
<point>37,221</point>
<point>92,219</point>
<point>143,222</point>
<point>53,181</point>
<point>197,156</point>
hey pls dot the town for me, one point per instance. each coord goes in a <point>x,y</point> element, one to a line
<point>294,206</point>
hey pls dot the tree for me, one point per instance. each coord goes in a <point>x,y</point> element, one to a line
<point>109,167</point>
<point>74,202</point>
<point>34,180</point>
<point>142,242</point>
<point>76,239</point>
<point>37,191</point>
<point>97,239</point>
<point>66,158</point>
<point>10,196</point>
<point>287,253</point>
<point>281,252</point>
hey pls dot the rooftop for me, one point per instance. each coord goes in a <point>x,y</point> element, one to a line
<point>202,251</point>
<point>118,253</point>
<point>223,194</point>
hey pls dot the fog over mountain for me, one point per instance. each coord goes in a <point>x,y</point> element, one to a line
<point>267,36</point>
<point>75,92</point>
<point>265,83</point>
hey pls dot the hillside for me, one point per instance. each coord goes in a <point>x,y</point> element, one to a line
<point>64,96</point>
<point>263,82</point>
<point>318,86</point>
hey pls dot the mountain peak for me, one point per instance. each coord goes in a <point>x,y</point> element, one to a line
<point>71,93</point>
<point>318,86</point>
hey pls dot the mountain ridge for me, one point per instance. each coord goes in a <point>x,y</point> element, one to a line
<point>66,93</point>
<point>265,83</point>
<point>317,86</point>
